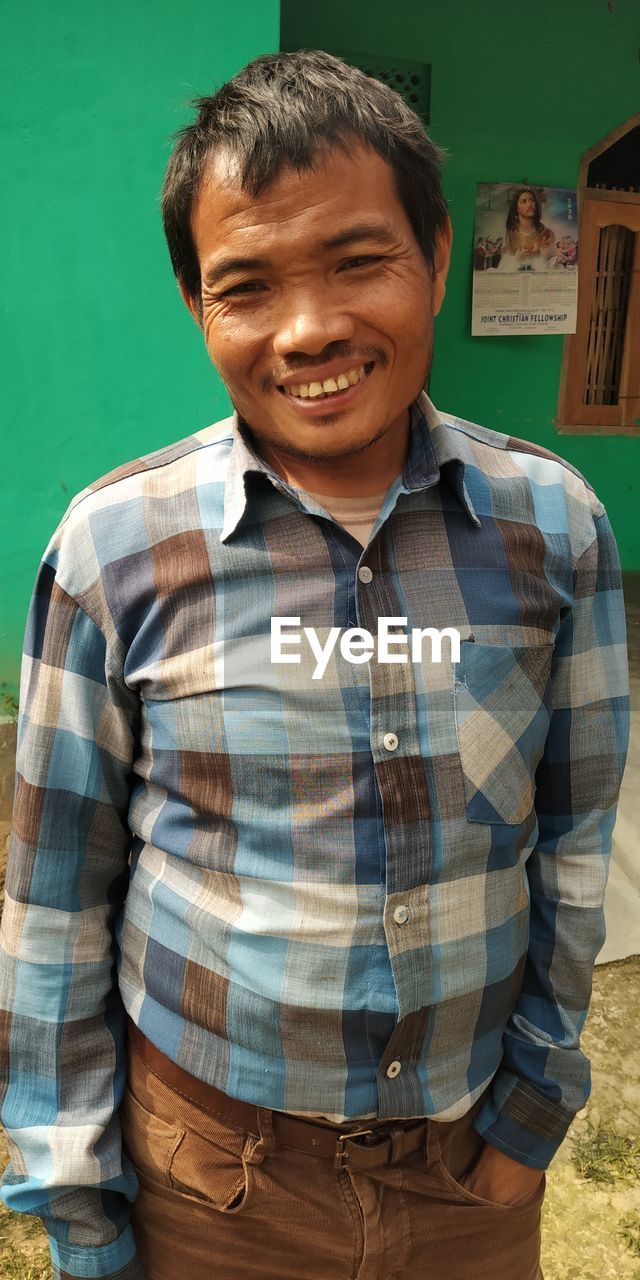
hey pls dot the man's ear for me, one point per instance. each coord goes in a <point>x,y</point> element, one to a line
<point>192,304</point>
<point>441,259</point>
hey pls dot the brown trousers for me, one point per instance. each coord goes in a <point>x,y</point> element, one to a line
<point>218,1204</point>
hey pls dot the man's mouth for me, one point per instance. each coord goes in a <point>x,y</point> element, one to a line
<point>330,388</point>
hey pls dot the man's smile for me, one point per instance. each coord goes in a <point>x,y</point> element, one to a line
<point>337,391</point>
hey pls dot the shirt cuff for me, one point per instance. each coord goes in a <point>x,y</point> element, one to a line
<point>521,1121</point>
<point>115,1261</point>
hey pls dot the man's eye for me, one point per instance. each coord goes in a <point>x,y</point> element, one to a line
<point>364,259</point>
<point>247,284</point>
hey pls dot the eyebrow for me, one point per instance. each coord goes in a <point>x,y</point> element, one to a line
<point>363,231</point>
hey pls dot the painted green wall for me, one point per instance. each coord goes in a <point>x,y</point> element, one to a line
<point>100,360</point>
<point>517,92</point>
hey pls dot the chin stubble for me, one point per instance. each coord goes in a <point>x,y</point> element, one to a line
<point>266,444</point>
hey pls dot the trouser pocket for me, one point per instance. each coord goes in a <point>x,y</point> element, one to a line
<point>172,1143</point>
<point>458,1148</point>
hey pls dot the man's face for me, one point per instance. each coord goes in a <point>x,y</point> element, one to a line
<point>312,309</point>
<point>526,205</point>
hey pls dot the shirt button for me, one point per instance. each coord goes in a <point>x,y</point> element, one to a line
<point>390,741</point>
<point>365,574</point>
<point>401,915</point>
<point>394,1069</point>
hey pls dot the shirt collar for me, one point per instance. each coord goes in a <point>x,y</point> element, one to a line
<point>436,451</point>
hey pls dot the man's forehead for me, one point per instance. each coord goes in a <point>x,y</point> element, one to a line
<point>354,186</point>
<point>223,170</point>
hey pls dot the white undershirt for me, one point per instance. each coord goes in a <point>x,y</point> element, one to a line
<point>356,515</point>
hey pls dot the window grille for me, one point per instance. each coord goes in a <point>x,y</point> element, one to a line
<point>607,324</point>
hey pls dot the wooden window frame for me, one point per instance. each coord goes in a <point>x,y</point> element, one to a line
<point>598,208</point>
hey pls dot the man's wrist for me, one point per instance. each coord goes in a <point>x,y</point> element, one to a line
<point>521,1121</point>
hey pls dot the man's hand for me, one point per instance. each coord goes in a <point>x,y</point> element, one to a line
<point>499,1178</point>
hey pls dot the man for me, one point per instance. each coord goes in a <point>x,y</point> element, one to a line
<point>323,725</point>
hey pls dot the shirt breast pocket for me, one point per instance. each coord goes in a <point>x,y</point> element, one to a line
<point>502,720</point>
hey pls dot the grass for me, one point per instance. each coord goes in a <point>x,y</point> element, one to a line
<point>15,1266</point>
<point>629,1230</point>
<point>604,1156</point>
<point>9,705</point>
<point>19,1259</point>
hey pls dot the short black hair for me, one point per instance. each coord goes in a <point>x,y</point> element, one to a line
<point>283,109</point>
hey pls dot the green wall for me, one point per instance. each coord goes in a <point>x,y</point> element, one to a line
<point>100,360</point>
<point>518,92</point>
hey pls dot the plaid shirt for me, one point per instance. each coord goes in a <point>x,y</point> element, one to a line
<point>375,892</point>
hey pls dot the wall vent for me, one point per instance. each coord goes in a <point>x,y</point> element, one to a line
<point>412,80</point>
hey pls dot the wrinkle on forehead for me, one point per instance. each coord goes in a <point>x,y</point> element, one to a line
<point>314,195</point>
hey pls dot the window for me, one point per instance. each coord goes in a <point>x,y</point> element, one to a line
<point>600,381</point>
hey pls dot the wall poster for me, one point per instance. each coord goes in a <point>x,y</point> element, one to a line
<point>525,259</point>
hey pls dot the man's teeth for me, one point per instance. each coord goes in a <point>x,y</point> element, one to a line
<point>330,385</point>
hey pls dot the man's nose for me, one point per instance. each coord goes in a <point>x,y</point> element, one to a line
<point>312,321</point>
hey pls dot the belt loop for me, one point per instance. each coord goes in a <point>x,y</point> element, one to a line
<point>268,1140</point>
<point>432,1142</point>
<point>397,1137</point>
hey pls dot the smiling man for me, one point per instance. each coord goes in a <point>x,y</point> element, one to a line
<point>295,969</point>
